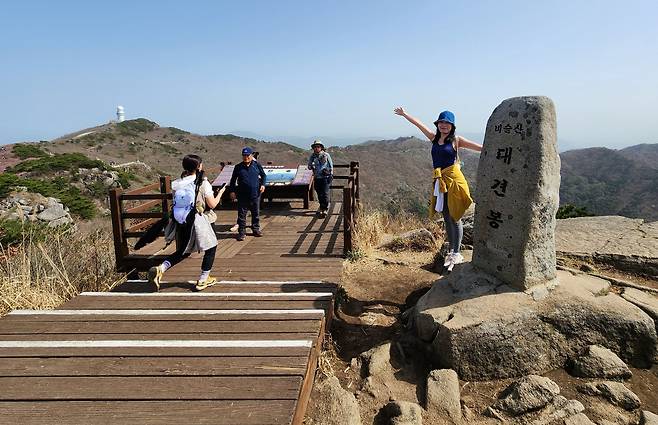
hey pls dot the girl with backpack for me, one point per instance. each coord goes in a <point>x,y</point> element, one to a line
<point>189,225</point>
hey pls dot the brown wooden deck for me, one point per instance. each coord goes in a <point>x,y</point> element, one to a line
<point>241,352</point>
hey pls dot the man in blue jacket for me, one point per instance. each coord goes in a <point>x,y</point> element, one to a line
<point>250,179</point>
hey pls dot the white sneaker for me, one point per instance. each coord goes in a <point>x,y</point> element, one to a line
<point>448,259</point>
<point>457,258</point>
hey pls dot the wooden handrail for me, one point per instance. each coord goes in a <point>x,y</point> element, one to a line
<point>351,201</point>
<point>145,196</point>
<point>145,189</point>
<point>124,260</point>
<point>146,206</point>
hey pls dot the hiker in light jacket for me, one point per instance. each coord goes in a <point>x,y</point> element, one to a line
<point>323,172</point>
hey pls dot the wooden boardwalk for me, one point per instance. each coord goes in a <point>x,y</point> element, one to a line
<point>241,352</point>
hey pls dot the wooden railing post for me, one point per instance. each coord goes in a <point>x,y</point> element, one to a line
<point>354,169</point>
<point>120,242</point>
<point>165,187</point>
<point>347,220</point>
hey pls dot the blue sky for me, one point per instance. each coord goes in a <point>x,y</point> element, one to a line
<point>334,69</point>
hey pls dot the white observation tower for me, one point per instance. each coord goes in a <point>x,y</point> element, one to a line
<point>121,116</point>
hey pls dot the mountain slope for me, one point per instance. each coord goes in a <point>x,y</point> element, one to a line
<point>395,174</point>
<point>608,183</point>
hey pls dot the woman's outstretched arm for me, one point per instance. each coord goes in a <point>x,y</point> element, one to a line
<point>426,131</point>
<point>468,144</point>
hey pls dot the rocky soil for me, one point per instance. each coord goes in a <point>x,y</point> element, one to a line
<point>392,376</point>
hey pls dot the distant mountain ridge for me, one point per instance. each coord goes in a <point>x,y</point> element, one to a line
<point>395,173</point>
<point>612,182</point>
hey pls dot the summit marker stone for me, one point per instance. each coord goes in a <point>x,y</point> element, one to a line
<point>517,193</point>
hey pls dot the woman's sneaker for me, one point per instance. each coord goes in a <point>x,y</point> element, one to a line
<point>457,258</point>
<point>203,284</point>
<point>155,276</point>
<point>448,259</point>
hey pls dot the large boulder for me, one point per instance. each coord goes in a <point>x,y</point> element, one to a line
<point>648,418</point>
<point>615,392</point>
<point>527,394</point>
<point>443,394</point>
<point>559,410</point>
<point>484,329</point>
<point>377,360</point>
<point>335,405</point>
<point>401,413</point>
<point>600,362</point>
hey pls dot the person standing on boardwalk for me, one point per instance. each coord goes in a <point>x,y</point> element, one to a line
<point>451,195</point>
<point>250,178</point>
<point>323,172</point>
<point>192,194</point>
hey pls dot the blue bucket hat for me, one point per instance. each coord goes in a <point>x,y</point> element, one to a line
<point>247,151</point>
<point>445,116</point>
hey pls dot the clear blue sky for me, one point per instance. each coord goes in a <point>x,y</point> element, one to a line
<point>334,68</point>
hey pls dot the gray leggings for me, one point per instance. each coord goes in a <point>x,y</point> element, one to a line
<point>454,230</point>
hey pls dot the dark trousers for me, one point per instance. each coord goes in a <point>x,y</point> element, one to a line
<point>323,189</point>
<point>245,205</point>
<point>183,233</point>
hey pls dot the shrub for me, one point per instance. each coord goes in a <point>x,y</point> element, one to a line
<point>134,127</point>
<point>24,151</point>
<point>125,177</point>
<point>177,131</point>
<point>7,182</point>
<point>572,211</point>
<point>14,231</point>
<point>59,162</point>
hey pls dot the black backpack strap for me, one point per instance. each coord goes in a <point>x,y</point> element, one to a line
<point>197,187</point>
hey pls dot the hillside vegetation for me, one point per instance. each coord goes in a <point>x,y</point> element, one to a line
<point>395,173</point>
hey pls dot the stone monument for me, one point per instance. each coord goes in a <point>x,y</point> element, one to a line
<point>517,194</point>
<point>503,315</point>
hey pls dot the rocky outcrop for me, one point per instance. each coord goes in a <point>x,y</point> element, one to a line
<point>615,392</point>
<point>647,302</point>
<point>624,243</point>
<point>484,329</point>
<point>91,178</point>
<point>600,362</point>
<point>33,207</point>
<point>536,400</point>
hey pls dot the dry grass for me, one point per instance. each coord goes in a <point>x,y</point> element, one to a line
<point>43,273</point>
<point>375,226</point>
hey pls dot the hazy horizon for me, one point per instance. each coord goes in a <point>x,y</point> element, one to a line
<point>334,70</point>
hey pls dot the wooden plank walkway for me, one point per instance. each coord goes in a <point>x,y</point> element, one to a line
<point>241,352</point>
